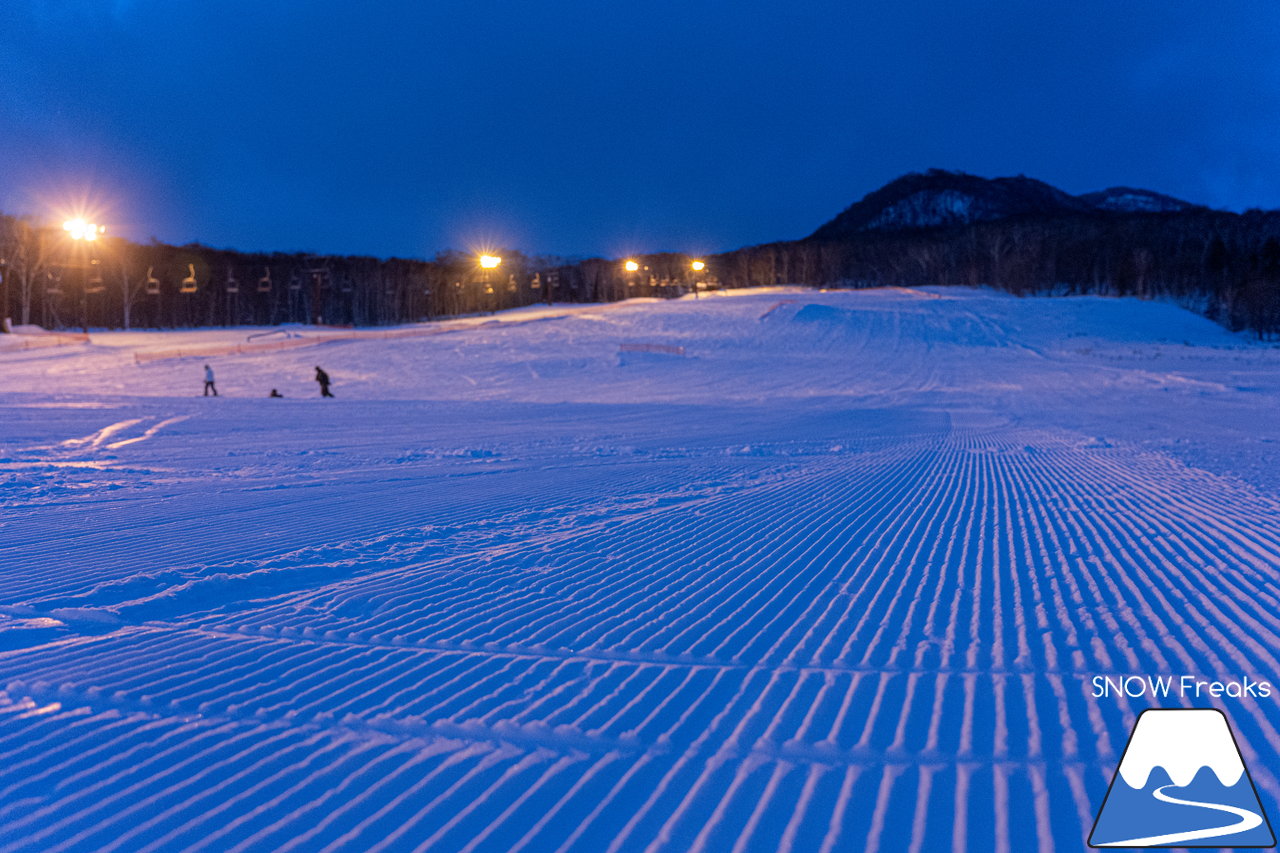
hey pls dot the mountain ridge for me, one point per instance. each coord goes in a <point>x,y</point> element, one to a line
<point>939,198</point>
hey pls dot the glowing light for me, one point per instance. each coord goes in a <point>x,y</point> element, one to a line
<point>632,266</point>
<point>81,230</point>
<point>490,261</point>
<point>698,266</point>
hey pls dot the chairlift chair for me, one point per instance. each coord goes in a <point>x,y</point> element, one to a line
<point>189,283</point>
<point>233,284</point>
<point>93,284</point>
<point>536,283</point>
<point>53,283</point>
<point>264,283</point>
<point>295,281</point>
<point>153,283</point>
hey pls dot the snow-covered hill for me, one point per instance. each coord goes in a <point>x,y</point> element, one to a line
<point>777,570</point>
<point>1129,200</point>
<point>939,198</point>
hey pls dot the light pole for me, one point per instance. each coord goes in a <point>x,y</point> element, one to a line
<point>82,233</point>
<point>697,266</point>
<point>632,268</point>
<point>488,263</point>
<point>4,304</point>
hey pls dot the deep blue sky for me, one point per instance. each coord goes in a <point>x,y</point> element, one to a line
<point>576,127</point>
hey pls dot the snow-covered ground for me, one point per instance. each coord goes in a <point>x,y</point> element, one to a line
<point>836,577</point>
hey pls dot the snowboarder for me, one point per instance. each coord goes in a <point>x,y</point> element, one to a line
<point>323,379</point>
<point>208,381</point>
<point>275,393</point>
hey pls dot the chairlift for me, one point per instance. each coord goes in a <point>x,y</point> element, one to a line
<point>264,283</point>
<point>153,283</point>
<point>233,284</point>
<point>537,281</point>
<point>189,283</point>
<point>347,287</point>
<point>53,283</point>
<point>511,283</point>
<point>295,281</point>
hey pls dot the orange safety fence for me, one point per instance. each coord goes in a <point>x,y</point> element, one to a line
<point>196,351</point>
<point>662,348</point>
<point>24,340</point>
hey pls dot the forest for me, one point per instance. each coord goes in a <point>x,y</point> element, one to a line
<point>1221,264</point>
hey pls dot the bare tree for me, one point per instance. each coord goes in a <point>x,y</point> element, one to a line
<point>132,279</point>
<point>33,251</point>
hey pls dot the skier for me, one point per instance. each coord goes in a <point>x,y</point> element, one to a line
<point>323,379</point>
<point>275,393</point>
<point>208,381</point>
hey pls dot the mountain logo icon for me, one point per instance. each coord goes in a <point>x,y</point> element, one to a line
<point>1182,783</point>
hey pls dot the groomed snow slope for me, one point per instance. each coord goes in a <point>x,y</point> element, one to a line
<point>835,579</point>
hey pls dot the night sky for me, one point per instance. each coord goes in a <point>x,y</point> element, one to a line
<point>405,127</point>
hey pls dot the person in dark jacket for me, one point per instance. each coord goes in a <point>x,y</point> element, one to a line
<point>323,379</point>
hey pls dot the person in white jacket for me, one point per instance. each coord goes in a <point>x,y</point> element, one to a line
<point>208,381</point>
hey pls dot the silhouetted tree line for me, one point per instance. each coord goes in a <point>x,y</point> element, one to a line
<point>57,282</point>
<point>1224,265</point>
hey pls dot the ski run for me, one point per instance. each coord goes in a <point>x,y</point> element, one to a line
<point>767,571</point>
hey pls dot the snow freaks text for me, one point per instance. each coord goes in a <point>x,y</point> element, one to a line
<point>1178,686</point>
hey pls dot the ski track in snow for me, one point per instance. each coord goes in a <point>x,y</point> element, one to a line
<point>837,580</point>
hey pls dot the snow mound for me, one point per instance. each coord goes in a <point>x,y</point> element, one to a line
<point>825,314</point>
